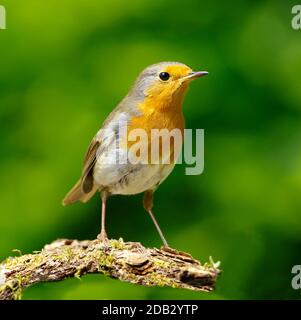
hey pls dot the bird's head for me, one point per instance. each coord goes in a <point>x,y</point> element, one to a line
<point>165,81</point>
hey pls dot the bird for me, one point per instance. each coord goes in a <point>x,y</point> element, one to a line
<point>153,102</point>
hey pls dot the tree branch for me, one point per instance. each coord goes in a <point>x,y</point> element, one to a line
<point>126,261</point>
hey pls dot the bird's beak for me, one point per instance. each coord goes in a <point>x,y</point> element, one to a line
<point>195,75</point>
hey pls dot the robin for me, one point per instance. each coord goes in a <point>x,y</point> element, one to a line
<point>154,102</point>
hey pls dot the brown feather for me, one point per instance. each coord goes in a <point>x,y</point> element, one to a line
<point>87,180</point>
<point>84,189</point>
<point>76,194</point>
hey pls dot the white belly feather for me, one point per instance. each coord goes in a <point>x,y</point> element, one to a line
<point>130,178</point>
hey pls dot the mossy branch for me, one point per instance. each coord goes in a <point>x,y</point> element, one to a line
<point>126,261</point>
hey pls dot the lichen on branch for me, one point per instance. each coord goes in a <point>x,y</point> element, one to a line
<point>126,261</point>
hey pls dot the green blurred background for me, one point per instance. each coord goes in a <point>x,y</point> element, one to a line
<point>65,64</point>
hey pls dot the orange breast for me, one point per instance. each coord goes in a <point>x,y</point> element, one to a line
<point>158,113</point>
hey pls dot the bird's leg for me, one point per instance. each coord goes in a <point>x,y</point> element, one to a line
<point>148,204</point>
<point>103,235</point>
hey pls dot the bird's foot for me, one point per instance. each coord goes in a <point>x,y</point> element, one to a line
<point>166,248</point>
<point>103,237</point>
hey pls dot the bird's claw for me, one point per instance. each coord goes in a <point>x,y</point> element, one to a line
<point>103,237</point>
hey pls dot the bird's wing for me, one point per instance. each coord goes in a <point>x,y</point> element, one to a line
<point>85,188</point>
<point>105,136</point>
<point>89,162</point>
<point>90,157</point>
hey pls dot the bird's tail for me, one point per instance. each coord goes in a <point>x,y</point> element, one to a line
<point>77,194</point>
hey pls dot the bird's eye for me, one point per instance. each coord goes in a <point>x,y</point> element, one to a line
<point>164,76</point>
